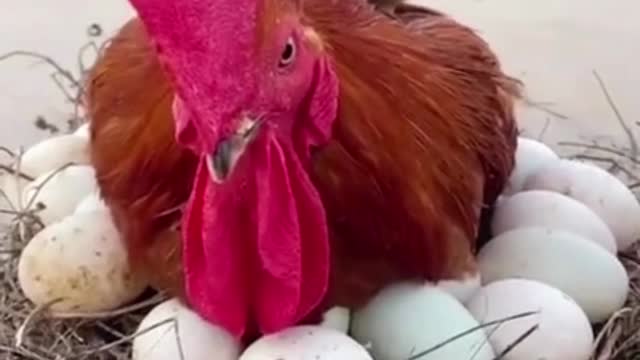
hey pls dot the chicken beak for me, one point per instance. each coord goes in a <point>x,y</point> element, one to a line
<point>229,150</point>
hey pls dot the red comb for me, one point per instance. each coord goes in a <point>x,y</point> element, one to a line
<point>207,49</point>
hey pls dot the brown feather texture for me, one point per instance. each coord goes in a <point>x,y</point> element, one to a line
<point>143,175</point>
<point>424,142</point>
<point>425,138</point>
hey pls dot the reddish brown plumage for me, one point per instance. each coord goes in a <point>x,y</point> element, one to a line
<point>408,215</point>
<point>142,173</point>
<point>411,164</point>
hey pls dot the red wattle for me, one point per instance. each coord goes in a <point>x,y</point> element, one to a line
<point>257,248</point>
<point>292,239</point>
<point>214,255</point>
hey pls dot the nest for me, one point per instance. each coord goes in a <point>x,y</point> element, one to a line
<point>32,332</point>
<point>28,331</point>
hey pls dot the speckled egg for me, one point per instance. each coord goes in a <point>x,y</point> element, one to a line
<point>558,329</point>
<point>306,343</point>
<point>81,260</point>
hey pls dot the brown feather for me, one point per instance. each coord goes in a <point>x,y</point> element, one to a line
<point>141,170</point>
<point>418,148</point>
<point>425,139</point>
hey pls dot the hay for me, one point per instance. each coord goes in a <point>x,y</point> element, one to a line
<point>619,337</point>
<point>30,332</point>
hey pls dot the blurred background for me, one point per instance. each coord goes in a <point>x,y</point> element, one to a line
<point>554,46</point>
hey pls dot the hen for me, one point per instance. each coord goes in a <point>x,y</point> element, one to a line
<point>325,150</point>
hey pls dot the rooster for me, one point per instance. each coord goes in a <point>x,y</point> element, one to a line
<point>267,159</point>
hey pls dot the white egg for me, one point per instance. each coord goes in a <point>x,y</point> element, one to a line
<point>337,318</point>
<point>171,331</point>
<point>407,319</point>
<point>91,202</point>
<point>306,343</point>
<point>462,288</point>
<point>563,331</point>
<point>552,210</point>
<point>60,192</point>
<point>602,192</point>
<point>53,153</point>
<point>530,155</point>
<point>593,277</point>
<point>82,131</point>
<point>82,260</point>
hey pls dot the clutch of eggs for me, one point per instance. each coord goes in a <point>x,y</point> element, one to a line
<point>78,262</point>
<point>550,272</point>
<point>171,331</point>
<point>404,321</point>
<point>559,224</point>
<point>601,192</point>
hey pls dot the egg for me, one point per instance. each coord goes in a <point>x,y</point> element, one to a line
<point>552,210</point>
<point>81,260</point>
<point>53,153</point>
<point>530,155</point>
<point>405,319</point>
<point>60,192</point>
<point>463,288</point>
<point>171,331</point>
<point>306,343</point>
<point>337,318</point>
<point>593,277</point>
<point>563,331</point>
<point>82,131</point>
<point>602,192</point>
<point>91,202</point>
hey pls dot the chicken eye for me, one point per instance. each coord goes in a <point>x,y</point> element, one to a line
<point>288,53</point>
